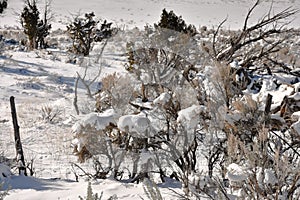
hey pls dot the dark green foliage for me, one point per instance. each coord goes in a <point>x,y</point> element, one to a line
<point>3,5</point>
<point>83,32</point>
<point>43,30</point>
<point>34,28</point>
<point>169,20</point>
<point>105,31</point>
<point>29,20</point>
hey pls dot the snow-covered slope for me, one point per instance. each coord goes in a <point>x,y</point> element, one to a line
<point>43,85</point>
<point>133,13</point>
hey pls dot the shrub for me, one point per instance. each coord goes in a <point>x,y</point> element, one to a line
<point>169,44</point>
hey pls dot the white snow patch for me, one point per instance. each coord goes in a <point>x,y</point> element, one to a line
<point>236,173</point>
<point>297,87</point>
<point>277,117</point>
<point>266,176</point>
<point>30,188</point>
<point>233,117</point>
<point>296,115</point>
<point>296,127</point>
<point>162,99</point>
<point>235,64</point>
<point>137,125</point>
<point>296,96</point>
<point>98,120</point>
<point>268,85</point>
<point>189,117</point>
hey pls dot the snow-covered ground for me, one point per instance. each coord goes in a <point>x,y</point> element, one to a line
<point>43,80</point>
<point>133,13</point>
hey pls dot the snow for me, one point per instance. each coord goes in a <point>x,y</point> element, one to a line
<point>188,117</point>
<point>296,96</point>
<point>266,177</point>
<point>98,120</point>
<point>296,127</point>
<point>28,188</point>
<point>4,172</point>
<point>269,87</point>
<point>296,115</point>
<point>236,173</point>
<point>137,13</point>
<point>162,99</point>
<point>137,125</point>
<point>45,78</point>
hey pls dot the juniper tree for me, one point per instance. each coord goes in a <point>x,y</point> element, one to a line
<point>3,5</point>
<point>105,31</point>
<point>169,20</point>
<point>83,32</point>
<point>35,28</point>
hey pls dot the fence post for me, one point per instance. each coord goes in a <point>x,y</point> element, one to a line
<point>20,156</point>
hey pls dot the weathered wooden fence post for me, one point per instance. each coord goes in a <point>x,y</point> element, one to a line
<point>268,104</point>
<point>20,156</point>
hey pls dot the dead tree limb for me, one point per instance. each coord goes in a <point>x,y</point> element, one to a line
<point>215,53</point>
<point>257,41</point>
<point>249,13</point>
<point>87,84</point>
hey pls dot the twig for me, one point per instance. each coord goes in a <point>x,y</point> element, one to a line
<point>286,143</point>
<point>214,37</point>
<point>249,13</point>
<point>85,173</point>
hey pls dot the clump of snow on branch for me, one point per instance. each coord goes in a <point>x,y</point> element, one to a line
<point>296,127</point>
<point>97,120</point>
<point>189,117</point>
<point>136,125</point>
<point>266,176</point>
<point>236,173</point>
<point>162,99</point>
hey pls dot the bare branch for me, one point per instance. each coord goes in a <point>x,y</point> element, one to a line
<point>249,13</point>
<point>214,38</point>
<point>76,97</point>
<point>266,28</point>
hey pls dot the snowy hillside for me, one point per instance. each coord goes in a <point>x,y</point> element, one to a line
<point>133,13</point>
<point>125,105</point>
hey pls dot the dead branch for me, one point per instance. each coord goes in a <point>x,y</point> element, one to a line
<point>286,142</point>
<point>215,53</point>
<point>294,186</point>
<point>249,13</point>
<point>84,81</point>
<point>261,33</point>
<point>76,97</point>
